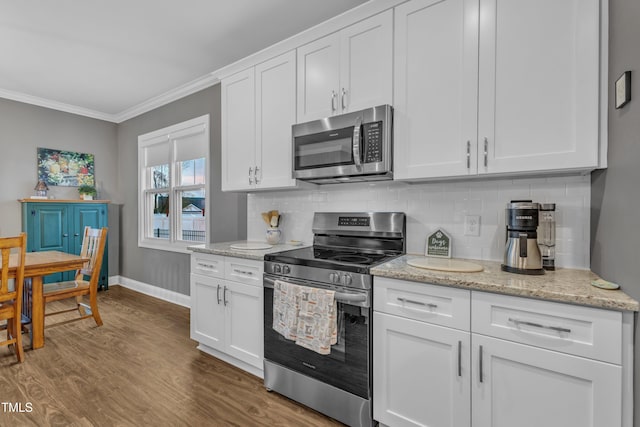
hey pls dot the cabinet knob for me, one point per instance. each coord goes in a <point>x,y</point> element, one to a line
<point>65,235</point>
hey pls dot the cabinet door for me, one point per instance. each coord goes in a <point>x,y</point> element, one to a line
<point>92,215</point>
<point>238,131</point>
<point>207,311</point>
<point>243,322</point>
<point>435,88</point>
<point>318,78</point>
<point>275,113</point>
<point>50,228</point>
<point>539,83</point>
<point>50,232</point>
<point>524,386</point>
<point>366,63</point>
<point>421,374</point>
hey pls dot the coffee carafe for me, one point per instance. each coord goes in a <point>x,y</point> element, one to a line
<point>522,254</point>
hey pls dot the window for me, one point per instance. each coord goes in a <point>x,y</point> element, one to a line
<point>173,184</point>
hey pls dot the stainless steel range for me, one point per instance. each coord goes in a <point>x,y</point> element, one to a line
<point>345,247</point>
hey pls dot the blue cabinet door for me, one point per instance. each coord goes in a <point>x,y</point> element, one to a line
<point>92,215</point>
<point>49,232</point>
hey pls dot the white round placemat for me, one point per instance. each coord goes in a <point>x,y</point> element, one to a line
<point>250,246</point>
<point>445,264</point>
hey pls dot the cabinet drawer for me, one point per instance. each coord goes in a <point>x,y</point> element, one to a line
<point>582,331</point>
<point>244,271</point>
<point>439,305</point>
<point>207,265</point>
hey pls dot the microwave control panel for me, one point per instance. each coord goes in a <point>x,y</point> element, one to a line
<point>372,133</point>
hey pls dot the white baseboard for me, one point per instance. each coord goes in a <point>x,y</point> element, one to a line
<point>154,291</point>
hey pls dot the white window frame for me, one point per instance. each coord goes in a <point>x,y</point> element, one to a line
<point>145,224</point>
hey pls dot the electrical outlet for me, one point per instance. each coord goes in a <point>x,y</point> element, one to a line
<point>472,225</point>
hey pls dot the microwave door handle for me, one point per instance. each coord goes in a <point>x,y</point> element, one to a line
<point>356,142</point>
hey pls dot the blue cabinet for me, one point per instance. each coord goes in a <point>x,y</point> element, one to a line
<point>58,226</point>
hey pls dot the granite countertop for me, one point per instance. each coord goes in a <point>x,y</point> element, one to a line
<point>563,285</point>
<point>225,249</point>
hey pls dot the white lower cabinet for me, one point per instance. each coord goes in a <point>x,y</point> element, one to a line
<point>525,386</point>
<point>227,310</point>
<point>421,373</point>
<point>518,362</point>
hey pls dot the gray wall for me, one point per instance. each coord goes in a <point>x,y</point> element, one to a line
<point>170,270</point>
<point>615,192</point>
<point>24,128</point>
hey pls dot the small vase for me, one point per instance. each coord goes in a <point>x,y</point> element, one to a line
<point>273,236</point>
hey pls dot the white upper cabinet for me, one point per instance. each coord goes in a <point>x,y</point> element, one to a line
<point>275,114</point>
<point>435,88</point>
<point>348,70</point>
<point>238,130</point>
<point>258,109</point>
<point>539,84</point>
<point>490,87</point>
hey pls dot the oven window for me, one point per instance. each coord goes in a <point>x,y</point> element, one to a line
<point>324,149</point>
<point>346,367</point>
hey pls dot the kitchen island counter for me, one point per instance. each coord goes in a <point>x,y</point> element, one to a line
<point>563,285</point>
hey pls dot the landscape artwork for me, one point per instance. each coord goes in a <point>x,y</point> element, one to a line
<point>65,168</point>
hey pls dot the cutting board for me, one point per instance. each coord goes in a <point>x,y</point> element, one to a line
<point>251,246</point>
<point>445,264</point>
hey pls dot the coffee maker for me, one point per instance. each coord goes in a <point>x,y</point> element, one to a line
<point>522,254</point>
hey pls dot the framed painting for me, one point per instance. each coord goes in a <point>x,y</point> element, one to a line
<point>65,168</point>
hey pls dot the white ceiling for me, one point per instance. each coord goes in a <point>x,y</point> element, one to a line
<point>102,58</point>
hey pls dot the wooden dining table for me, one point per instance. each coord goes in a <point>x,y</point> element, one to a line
<point>36,266</point>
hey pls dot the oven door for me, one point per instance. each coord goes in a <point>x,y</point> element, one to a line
<point>347,367</point>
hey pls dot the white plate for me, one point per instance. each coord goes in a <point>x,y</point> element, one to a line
<point>445,264</point>
<point>253,246</point>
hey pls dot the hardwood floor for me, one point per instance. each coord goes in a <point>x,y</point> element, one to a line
<point>140,368</point>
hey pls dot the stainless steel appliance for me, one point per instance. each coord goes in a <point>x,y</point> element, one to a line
<point>522,254</point>
<point>547,235</point>
<point>345,247</point>
<point>355,146</point>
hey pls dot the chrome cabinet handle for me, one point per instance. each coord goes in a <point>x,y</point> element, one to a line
<point>218,294</point>
<point>255,175</point>
<point>486,151</point>
<point>248,273</point>
<point>480,363</point>
<point>430,305</point>
<point>459,358</point>
<point>205,266</point>
<point>538,325</point>
<point>334,95</point>
<point>224,296</point>
<point>250,172</point>
<point>344,96</point>
<point>468,154</point>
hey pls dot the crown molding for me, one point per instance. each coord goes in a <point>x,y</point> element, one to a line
<point>189,88</point>
<point>55,105</point>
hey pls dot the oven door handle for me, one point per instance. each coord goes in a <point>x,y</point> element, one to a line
<point>340,296</point>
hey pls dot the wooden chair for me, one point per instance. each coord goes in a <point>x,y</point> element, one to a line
<point>93,244</point>
<point>11,299</point>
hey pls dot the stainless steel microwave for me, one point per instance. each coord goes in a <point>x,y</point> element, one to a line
<point>355,146</point>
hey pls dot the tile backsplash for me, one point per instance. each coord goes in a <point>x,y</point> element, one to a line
<point>429,206</point>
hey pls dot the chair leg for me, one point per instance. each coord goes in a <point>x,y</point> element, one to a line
<point>93,302</point>
<point>81,309</point>
<point>14,332</point>
<point>18,336</point>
